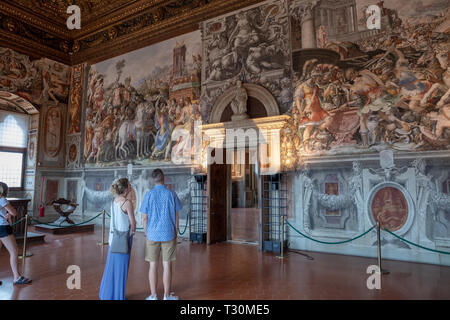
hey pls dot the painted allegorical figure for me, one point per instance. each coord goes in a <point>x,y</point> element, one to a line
<point>75,108</point>
<point>389,208</point>
<point>53,123</point>
<point>308,103</point>
<point>162,135</point>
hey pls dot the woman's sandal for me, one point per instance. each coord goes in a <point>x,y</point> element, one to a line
<point>22,280</point>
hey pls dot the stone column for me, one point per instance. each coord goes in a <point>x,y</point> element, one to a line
<point>355,19</point>
<point>347,19</point>
<point>307,24</point>
<point>330,22</point>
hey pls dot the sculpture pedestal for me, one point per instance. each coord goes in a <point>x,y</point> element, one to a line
<point>64,229</point>
<point>238,117</point>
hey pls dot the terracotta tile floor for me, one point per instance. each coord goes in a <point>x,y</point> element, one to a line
<point>244,224</point>
<point>221,271</point>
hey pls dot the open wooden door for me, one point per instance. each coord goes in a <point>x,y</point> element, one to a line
<point>217,208</point>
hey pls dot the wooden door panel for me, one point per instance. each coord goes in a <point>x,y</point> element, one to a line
<point>217,209</point>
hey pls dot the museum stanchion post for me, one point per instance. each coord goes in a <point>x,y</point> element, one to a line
<point>281,256</point>
<point>25,254</point>
<point>103,243</point>
<point>379,250</point>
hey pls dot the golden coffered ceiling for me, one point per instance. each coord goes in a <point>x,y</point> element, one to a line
<point>108,27</point>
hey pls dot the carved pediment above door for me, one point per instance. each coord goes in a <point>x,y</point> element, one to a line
<point>253,90</point>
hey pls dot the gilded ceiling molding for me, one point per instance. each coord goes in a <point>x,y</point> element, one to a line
<point>118,16</point>
<point>152,16</point>
<point>32,48</point>
<point>10,25</point>
<point>37,27</point>
<point>41,22</point>
<point>105,44</point>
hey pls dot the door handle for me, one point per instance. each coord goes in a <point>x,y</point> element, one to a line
<point>213,213</point>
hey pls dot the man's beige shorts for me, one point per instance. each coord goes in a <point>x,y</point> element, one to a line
<point>154,248</point>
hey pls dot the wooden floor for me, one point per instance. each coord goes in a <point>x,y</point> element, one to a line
<point>221,271</point>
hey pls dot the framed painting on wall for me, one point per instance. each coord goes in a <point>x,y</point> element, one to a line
<point>73,151</point>
<point>51,146</point>
<point>31,150</point>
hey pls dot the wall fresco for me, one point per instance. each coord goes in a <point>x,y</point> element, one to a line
<point>36,81</point>
<point>75,100</point>
<point>136,101</point>
<point>251,45</point>
<point>389,88</point>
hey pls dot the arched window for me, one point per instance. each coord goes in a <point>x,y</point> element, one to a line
<point>13,146</point>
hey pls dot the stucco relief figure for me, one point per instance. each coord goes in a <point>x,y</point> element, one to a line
<point>262,58</point>
<point>244,34</point>
<point>430,200</point>
<point>239,102</point>
<point>356,185</point>
<point>423,190</point>
<point>206,104</point>
<point>308,190</point>
<point>253,42</point>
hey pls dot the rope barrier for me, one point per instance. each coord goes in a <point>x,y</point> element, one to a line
<point>415,244</point>
<point>72,225</point>
<point>185,227</point>
<point>17,222</point>
<point>363,234</point>
<point>325,242</point>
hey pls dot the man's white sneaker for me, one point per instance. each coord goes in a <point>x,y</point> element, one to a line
<point>171,297</point>
<point>150,297</point>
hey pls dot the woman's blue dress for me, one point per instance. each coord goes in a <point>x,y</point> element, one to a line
<point>114,279</point>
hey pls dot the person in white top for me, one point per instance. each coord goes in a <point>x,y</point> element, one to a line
<point>6,234</point>
<point>114,278</point>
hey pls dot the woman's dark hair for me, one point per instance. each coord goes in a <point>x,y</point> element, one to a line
<point>119,186</point>
<point>3,189</point>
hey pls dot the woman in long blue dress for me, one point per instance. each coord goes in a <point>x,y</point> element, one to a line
<point>122,218</point>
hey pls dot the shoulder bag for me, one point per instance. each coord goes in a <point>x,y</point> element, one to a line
<point>120,239</point>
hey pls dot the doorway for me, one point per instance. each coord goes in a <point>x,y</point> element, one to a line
<point>234,212</point>
<point>244,213</point>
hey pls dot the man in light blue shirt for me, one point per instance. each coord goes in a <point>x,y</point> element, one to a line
<point>160,209</point>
